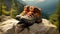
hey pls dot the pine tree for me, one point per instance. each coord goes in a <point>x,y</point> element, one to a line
<point>55,17</point>
<point>0,8</point>
<point>13,11</point>
<point>3,9</point>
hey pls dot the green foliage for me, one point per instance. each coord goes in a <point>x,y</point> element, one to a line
<point>13,10</point>
<point>4,12</point>
<point>0,10</point>
<point>55,17</point>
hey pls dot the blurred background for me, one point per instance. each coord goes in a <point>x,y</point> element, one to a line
<point>50,9</point>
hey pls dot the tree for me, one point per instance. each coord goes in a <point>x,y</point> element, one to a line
<point>13,11</point>
<point>3,8</point>
<point>55,18</point>
<point>0,7</point>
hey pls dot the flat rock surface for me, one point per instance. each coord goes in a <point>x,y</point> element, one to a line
<point>8,25</point>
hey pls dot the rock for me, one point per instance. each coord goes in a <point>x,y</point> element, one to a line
<point>4,18</point>
<point>8,26</point>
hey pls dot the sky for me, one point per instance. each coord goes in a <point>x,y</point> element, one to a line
<point>34,0</point>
